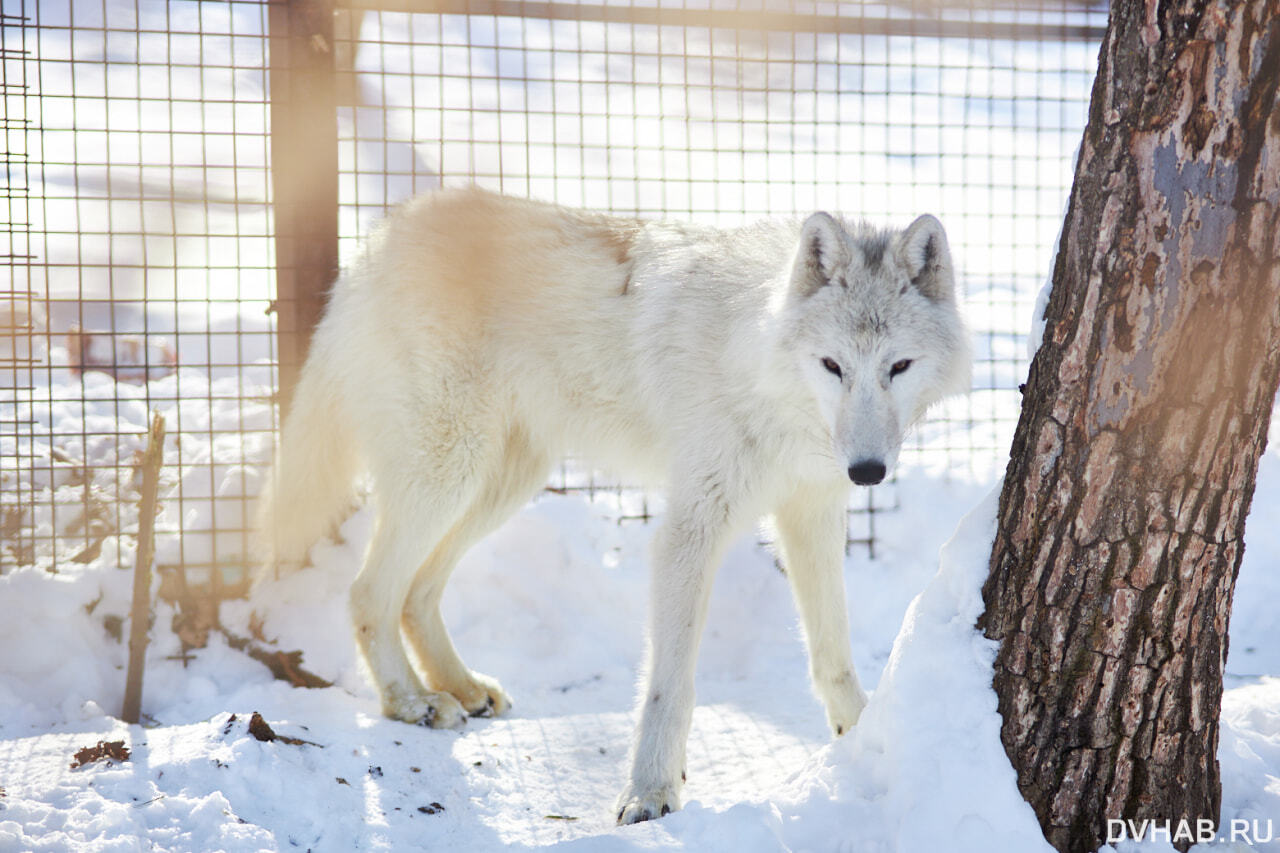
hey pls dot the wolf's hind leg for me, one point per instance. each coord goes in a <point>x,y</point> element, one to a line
<point>519,474</point>
<point>812,526</point>
<point>419,499</point>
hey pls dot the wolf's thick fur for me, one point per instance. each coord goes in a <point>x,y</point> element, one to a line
<point>754,371</point>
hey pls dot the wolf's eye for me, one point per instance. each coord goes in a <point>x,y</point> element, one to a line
<point>899,367</point>
<point>832,367</point>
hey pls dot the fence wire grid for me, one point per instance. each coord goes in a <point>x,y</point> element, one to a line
<point>141,219</point>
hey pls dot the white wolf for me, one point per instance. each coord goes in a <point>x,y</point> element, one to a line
<point>755,371</point>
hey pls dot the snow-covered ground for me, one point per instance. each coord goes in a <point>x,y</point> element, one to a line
<point>552,605</point>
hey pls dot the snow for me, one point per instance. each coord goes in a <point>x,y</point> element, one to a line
<point>553,606</point>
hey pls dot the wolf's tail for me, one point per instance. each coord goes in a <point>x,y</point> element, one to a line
<point>311,482</point>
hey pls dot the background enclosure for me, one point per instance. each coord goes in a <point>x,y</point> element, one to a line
<point>148,237</point>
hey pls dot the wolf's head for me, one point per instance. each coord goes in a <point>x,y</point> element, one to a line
<point>871,319</point>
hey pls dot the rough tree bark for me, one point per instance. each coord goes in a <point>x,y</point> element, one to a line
<point>1145,412</point>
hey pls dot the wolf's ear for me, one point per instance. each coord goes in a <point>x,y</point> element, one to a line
<point>822,253</point>
<point>923,252</point>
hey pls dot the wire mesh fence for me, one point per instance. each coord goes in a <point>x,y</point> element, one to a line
<point>143,243</point>
<point>141,266</point>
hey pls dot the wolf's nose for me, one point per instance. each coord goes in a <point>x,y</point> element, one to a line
<point>868,472</point>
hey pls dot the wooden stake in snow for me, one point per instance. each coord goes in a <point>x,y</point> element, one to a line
<point>140,613</point>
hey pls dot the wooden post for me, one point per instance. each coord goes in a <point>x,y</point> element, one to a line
<point>140,614</point>
<point>304,174</point>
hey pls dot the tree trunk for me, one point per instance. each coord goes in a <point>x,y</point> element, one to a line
<point>1147,406</point>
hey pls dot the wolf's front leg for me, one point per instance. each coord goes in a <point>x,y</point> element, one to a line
<point>812,526</point>
<point>686,552</point>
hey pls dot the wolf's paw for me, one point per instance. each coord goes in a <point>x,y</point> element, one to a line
<point>483,697</point>
<point>845,700</point>
<point>635,806</point>
<point>443,712</point>
<point>432,709</point>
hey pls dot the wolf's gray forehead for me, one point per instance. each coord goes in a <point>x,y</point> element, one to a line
<point>872,242</point>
